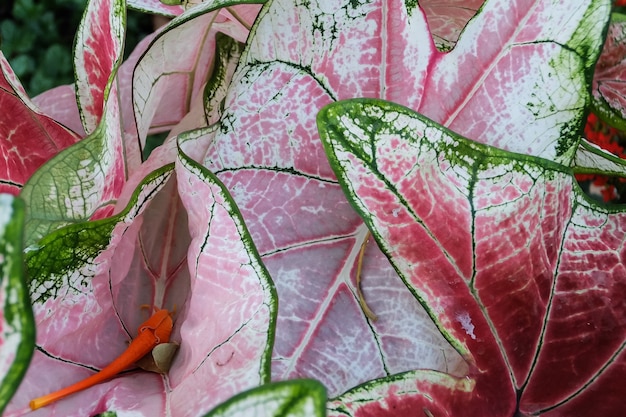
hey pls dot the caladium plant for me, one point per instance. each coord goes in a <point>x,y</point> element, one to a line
<point>529,287</point>
<point>165,231</point>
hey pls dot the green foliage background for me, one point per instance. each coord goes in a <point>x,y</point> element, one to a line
<point>37,37</point>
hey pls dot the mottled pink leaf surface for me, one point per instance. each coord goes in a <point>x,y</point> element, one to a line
<point>608,86</point>
<point>523,90</point>
<point>98,52</point>
<point>28,138</point>
<point>59,103</point>
<point>228,331</point>
<point>189,254</point>
<point>520,270</point>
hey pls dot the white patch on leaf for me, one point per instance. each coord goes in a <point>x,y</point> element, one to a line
<point>466,323</point>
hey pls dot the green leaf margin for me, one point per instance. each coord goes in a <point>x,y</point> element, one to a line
<point>17,314</point>
<point>65,251</point>
<point>599,106</point>
<point>264,276</point>
<point>297,398</point>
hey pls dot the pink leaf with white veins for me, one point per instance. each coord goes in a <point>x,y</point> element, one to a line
<point>178,62</point>
<point>28,138</point>
<point>228,329</point>
<point>179,244</point>
<point>98,53</point>
<point>608,88</point>
<point>304,55</point>
<point>525,90</point>
<point>520,271</point>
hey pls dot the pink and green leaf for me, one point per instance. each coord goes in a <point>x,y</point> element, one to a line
<point>169,8</point>
<point>592,159</point>
<point>155,251</point>
<point>171,75</point>
<point>98,53</point>
<point>302,56</point>
<point>608,87</point>
<point>401,394</point>
<point>17,328</point>
<point>228,331</point>
<point>85,181</point>
<point>530,71</point>
<point>295,398</point>
<point>81,182</point>
<point>28,138</point>
<point>527,89</point>
<point>520,271</point>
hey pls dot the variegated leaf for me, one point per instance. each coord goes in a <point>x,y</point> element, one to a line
<point>97,55</point>
<point>28,138</point>
<point>526,90</point>
<point>296,398</point>
<point>518,268</point>
<point>608,89</point>
<point>17,328</point>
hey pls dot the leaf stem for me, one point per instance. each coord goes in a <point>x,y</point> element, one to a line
<point>359,266</point>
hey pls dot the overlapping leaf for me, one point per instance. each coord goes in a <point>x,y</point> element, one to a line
<point>85,181</point>
<point>171,74</point>
<point>525,90</point>
<point>17,329</point>
<point>169,8</point>
<point>154,252</point>
<point>228,329</point>
<point>523,274</point>
<point>447,18</point>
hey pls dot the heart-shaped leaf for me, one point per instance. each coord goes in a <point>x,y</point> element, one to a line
<point>520,271</point>
<point>17,329</point>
